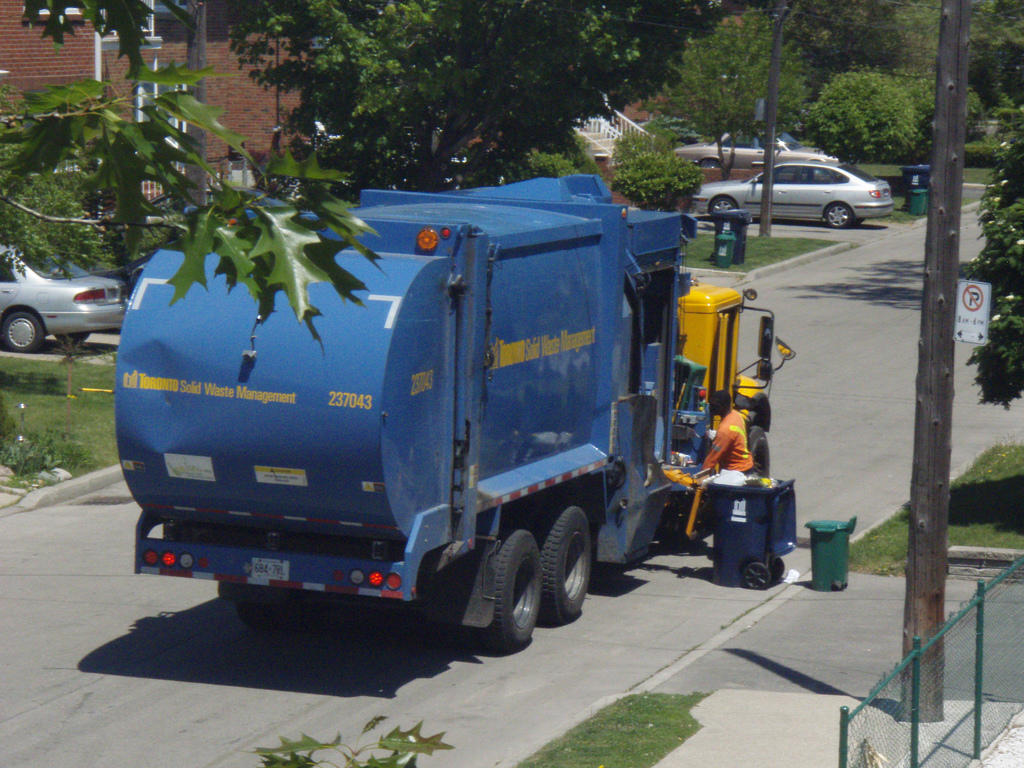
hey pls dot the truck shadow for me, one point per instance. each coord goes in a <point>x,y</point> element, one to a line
<point>348,653</point>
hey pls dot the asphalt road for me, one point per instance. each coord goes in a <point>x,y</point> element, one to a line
<point>102,667</point>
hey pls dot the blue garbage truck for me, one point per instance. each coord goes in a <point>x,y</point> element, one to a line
<point>494,417</point>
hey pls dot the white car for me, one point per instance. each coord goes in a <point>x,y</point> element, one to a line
<point>840,195</point>
<point>54,300</point>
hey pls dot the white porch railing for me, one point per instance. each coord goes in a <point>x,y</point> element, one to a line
<point>601,133</point>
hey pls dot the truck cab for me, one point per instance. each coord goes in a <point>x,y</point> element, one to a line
<point>707,357</point>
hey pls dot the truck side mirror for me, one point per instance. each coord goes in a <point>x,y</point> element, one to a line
<point>766,338</point>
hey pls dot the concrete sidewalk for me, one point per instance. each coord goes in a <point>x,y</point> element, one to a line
<point>778,685</point>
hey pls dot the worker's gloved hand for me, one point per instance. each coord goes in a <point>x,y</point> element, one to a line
<point>711,434</point>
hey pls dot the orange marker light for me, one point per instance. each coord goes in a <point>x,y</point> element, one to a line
<point>427,240</point>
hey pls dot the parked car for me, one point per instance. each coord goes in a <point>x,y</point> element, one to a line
<point>58,300</point>
<point>841,195</point>
<point>750,154</point>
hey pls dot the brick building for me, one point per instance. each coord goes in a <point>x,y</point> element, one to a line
<point>28,62</point>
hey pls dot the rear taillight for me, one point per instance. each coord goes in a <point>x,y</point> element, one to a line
<point>150,557</point>
<point>875,193</point>
<point>92,296</point>
<point>393,582</point>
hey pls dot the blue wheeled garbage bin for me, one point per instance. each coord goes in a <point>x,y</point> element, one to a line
<point>754,526</point>
<point>916,177</point>
<point>737,221</point>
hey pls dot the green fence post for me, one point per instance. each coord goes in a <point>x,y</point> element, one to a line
<point>979,654</point>
<point>844,735</point>
<point>915,701</point>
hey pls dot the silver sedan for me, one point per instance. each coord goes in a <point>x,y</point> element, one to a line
<point>57,300</point>
<point>840,195</point>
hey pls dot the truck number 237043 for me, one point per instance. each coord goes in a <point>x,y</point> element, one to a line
<point>350,400</point>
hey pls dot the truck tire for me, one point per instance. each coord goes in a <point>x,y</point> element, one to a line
<point>757,444</point>
<point>565,567</point>
<point>517,587</point>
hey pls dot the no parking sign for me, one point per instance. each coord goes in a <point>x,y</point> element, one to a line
<point>973,307</point>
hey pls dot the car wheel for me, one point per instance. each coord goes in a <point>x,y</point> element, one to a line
<point>709,163</point>
<point>839,216</point>
<point>23,332</point>
<point>723,203</point>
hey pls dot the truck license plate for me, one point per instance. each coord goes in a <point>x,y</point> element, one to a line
<point>264,568</point>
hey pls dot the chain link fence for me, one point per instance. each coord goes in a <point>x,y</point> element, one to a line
<point>951,696</point>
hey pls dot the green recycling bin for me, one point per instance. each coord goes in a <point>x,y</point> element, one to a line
<point>918,202</point>
<point>830,553</point>
<point>725,244</point>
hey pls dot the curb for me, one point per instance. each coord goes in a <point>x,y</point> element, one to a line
<point>61,492</point>
<point>739,278</point>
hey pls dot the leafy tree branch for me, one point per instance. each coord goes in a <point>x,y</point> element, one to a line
<point>83,126</point>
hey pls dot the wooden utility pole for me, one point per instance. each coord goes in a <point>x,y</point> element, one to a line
<point>771,115</point>
<point>924,609</point>
<point>195,58</point>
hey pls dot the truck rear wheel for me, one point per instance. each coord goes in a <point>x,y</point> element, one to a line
<point>565,567</point>
<point>517,587</point>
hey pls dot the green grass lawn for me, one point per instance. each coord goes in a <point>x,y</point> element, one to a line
<point>42,386</point>
<point>971,175</point>
<point>984,510</point>
<point>760,252</point>
<point>635,732</point>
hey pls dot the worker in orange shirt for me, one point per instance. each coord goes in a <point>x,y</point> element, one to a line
<point>729,448</point>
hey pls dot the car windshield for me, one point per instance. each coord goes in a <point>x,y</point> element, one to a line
<point>790,142</point>
<point>854,171</point>
<point>54,270</point>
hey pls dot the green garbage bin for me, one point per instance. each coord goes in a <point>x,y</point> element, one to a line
<point>725,244</point>
<point>830,553</point>
<point>918,202</point>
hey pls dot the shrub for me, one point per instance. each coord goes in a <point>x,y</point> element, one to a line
<point>656,180</point>
<point>548,164</point>
<point>649,175</point>
<point>41,453</point>
<point>981,154</point>
<point>1001,360</point>
<point>538,164</point>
